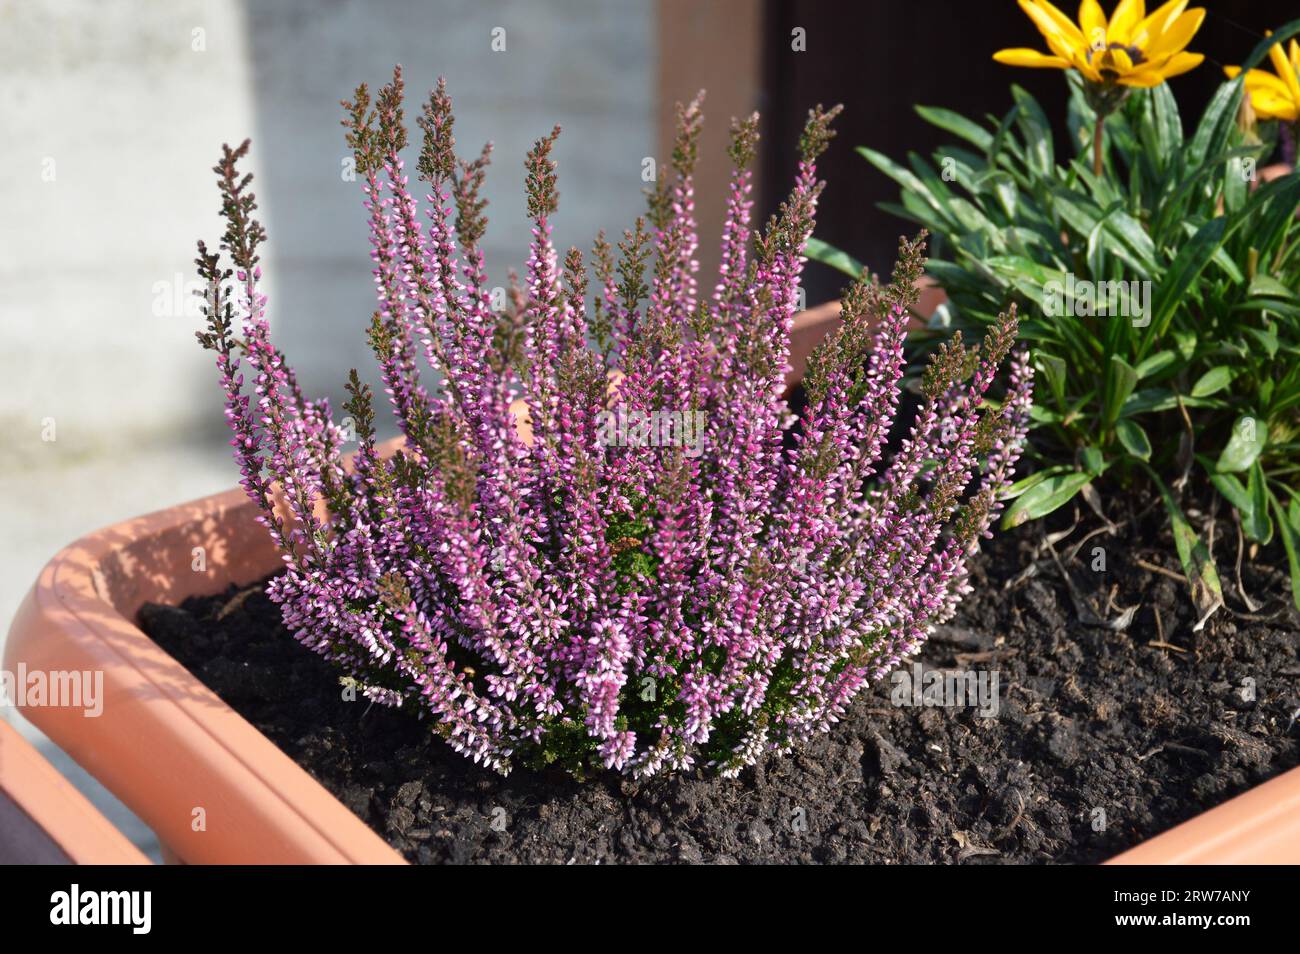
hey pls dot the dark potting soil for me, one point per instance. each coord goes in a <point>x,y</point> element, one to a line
<point>1104,735</point>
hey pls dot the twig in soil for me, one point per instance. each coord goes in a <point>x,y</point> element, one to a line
<point>955,636</point>
<point>1186,447</point>
<point>236,601</point>
<point>1160,624</point>
<point>1161,644</point>
<point>1176,749</point>
<point>1030,571</point>
<point>974,851</point>
<point>991,655</point>
<point>1152,568</point>
<point>1241,545</point>
<point>1011,825</point>
<point>1112,529</point>
<point>1083,606</point>
<point>1093,500</point>
<point>1051,539</point>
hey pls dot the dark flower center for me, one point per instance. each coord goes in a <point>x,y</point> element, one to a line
<point>1133,52</point>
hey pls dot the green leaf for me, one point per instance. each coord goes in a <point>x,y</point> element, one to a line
<point>1044,497</point>
<point>1255,522</point>
<point>957,124</point>
<point>904,177</point>
<point>1244,446</point>
<point>1231,489</point>
<point>1121,379</point>
<point>1267,338</point>
<point>1166,121</point>
<point>1033,480</point>
<point>1094,462</point>
<point>1291,542</point>
<point>1155,364</point>
<point>1172,290</point>
<point>1054,370</point>
<point>1279,199</point>
<point>1036,130</point>
<point>1216,123</point>
<point>827,254</point>
<point>1192,552</point>
<point>1133,438</point>
<point>1265,286</point>
<point>1213,381</point>
<point>1148,400</point>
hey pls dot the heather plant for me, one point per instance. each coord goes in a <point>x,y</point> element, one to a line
<point>546,595</point>
<point>1157,272</point>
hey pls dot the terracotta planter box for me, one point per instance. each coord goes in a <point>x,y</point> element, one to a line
<point>173,751</point>
<point>44,820</point>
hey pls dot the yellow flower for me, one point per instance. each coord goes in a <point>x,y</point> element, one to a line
<point>1275,97</point>
<point>1133,49</point>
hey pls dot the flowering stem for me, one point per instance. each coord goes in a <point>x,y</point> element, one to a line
<point>1096,144</point>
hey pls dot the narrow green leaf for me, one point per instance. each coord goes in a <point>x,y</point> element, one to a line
<point>1291,543</point>
<point>1192,552</point>
<point>1133,438</point>
<point>1172,290</point>
<point>957,124</point>
<point>1044,497</point>
<point>1255,522</point>
<point>1212,381</point>
<point>1155,364</point>
<point>1121,379</point>
<point>827,254</point>
<point>1244,446</point>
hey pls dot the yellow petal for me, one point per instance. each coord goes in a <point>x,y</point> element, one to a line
<point>1089,71</point>
<point>1268,105</point>
<point>1284,70</point>
<point>1123,62</point>
<point>1178,35</point>
<point>1025,57</point>
<point>1156,23</point>
<point>1260,80</point>
<point>1295,54</point>
<point>1127,15</point>
<point>1060,47</point>
<point>1144,80</point>
<point>1092,22</point>
<point>1180,63</point>
<point>1052,22</point>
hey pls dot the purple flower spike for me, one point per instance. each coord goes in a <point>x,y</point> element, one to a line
<point>654,573</point>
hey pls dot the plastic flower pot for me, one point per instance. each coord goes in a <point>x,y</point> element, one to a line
<point>44,820</point>
<point>213,788</point>
<point>216,790</point>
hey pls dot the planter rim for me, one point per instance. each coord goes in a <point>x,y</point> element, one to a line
<point>261,806</point>
<point>66,816</point>
<point>165,744</point>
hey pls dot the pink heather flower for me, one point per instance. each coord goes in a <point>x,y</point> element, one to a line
<point>640,603</point>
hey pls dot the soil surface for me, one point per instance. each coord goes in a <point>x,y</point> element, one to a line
<point>1106,733</point>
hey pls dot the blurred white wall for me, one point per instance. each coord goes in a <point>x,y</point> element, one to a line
<point>111,116</point>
